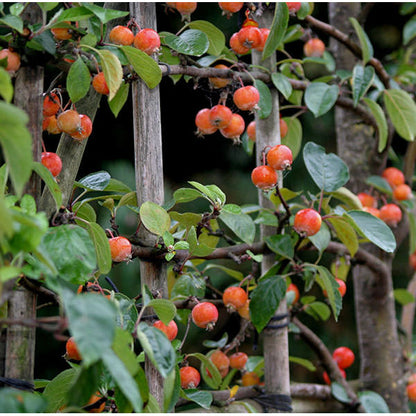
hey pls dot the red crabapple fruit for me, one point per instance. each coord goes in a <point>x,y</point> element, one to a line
<point>72,352</point>
<point>393,176</point>
<point>307,222</point>
<point>344,357</point>
<point>205,315</point>
<point>264,35</point>
<point>283,128</point>
<point>170,330</point>
<point>246,98</point>
<point>234,297</point>
<point>293,288</point>
<point>402,192</point>
<point>250,379</point>
<point>314,48</point>
<point>219,82</point>
<point>52,162</point>
<point>221,361</point>
<point>250,37</point>
<point>251,131</point>
<point>237,46</point>
<point>69,121</point>
<point>328,380</point>
<point>293,6</point>
<point>147,40</point>
<point>190,377</point>
<point>85,130</point>
<point>279,157</point>
<point>51,105</point>
<point>391,214</point>
<point>230,7</point>
<point>235,128</point>
<point>120,249</point>
<point>238,360</point>
<point>220,116</point>
<point>264,177</point>
<point>100,84</point>
<point>13,60</point>
<point>121,35</point>
<point>367,200</point>
<point>203,122</point>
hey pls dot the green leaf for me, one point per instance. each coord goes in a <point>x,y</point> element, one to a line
<point>164,309</point>
<point>92,322</point>
<point>281,244</point>
<point>401,109</point>
<point>329,284</point>
<point>113,72</point>
<point>281,82</point>
<point>362,79</point>
<point>74,14</point>
<point>374,229</point>
<point>117,103</point>
<point>102,247</point>
<point>328,171</point>
<point>188,285</point>
<point>346,234</point>
<point>347,197</point>
<point>171,390</point>
<point>339,393</point>
<point>373,402</point>
<point>6,86</point>
<point>293,138</point>
<point>78,80</point>
<point>144,65</point>
<point>84,211</point>
<point>215,36</point>
<point>210,192</point>
<point>97,181</point>
<point>206,364</point>
<point>241,225</point>
<point>154,218</point>
<point>265,300</point>
<point>47,6</point>
<point>14,22</point>
<point>200,397</point>
<point>303,362</point>
<point>157,347</point>
<point>16,144</point>
<point>123,379</point>
<point>50,182</point>
<point>191,42</point>
<point>402,296</point>
<point>265,103</point>
<point>57,389</point>
<point>71,250</point>
<point>379,183</point>
<point>104,14</point>
<point>126,312</point>
<point>380,117</point>
<point>183,195</point>
<point>319,310</point>
<point>9,272</point>
<point>409,31</point>
<point>366,46</point>
<point>197,248</point>
<point>277,29</point>
<point>231,272</point>
<point>320,97</point>
<point>221,343</point>
<point>322,238</point>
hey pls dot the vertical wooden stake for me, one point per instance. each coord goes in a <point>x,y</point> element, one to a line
<point>149,172</point>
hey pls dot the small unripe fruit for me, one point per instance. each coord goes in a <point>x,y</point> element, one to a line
<point>13,60</point>
<point>72,352</point>
<point>250,37</point>
<point>52,162</point>
<point>85,130</point>
<point>190,377</point>
<point>293,288</point>
<point>251,131</point>
<point>402,192</point>
<point>237,46</point>
<point>293,6</point>
<point>344,357</point>
<point>411,392</point>
<point>279,157</point>
<point>62,33</point>
<point>234,297</point>
<point>221,361</point>
<point>205,315</point>
<point>121,35</point>
<point>314,48</point>
<point>170,330</point>
<point>393,176</point>
<point>203,123</point>
<point>69,122</point>
<point>328,380</point>
<point>51,105</point>
<point>120,249</point>
<point>147,40</point>
<point>100,84</point>
<point>219,82</point>
<point>250,379</point>
<point>391,214</point>
<point>238,360</point>
<point>235,128</point>
<point>264,177</point>
<point>367,200</point>
<point>246,98</point>
<point>220,116</point>
<point>244,311</point>
<point>307,222</point>
<point>264,35</point>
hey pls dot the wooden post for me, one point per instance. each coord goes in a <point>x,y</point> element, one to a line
<point>149,173</point>
<point>275,341</point>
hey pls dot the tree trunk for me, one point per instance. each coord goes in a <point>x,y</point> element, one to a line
<point>381,360</point>
<point>275,341</point>
<point>149,174</point>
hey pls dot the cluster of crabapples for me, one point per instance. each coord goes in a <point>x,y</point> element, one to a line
<point>390,213</point>
<point>344,357</point>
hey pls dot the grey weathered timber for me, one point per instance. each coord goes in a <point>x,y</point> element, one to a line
<point>275,341</point>
<point>149,173</point>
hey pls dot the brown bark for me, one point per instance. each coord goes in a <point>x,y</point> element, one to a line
<point>381,361</point>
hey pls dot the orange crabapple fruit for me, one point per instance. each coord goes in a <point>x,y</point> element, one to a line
<point>62,33</point>
<point>250,378</point>
<point>220,116</point>
<point>72,352</point>
<point>391,214</point>
<point>314,48</point>
<point>344,357</point>
<point>244,311</point>
<point>147,40</point>
<point>170,330</point>
<point>85,130</point>
<point>186,8</point>
<point>402,192</point>
<point>94,399</point>
<point>307,221</point>
<point>238,360</point>
<point>219,82</point>
<point>203,123</point>
<point>190,377</point>
<point>250,37</point>
<point>89,287</point>
<point>264,35</point>
<point>293,6</point>
<point>221,361</point>
<point>264,177</point>
<point>411,392</point>
<point>412,261</point>
<point>205,315</point>
<point>230,7</point>
<point>69,121</point>
<point>367,200</point>
<point>100,84</point>
<point>342,288</point>
<point>411,379</point>
<point>279,157</point>
<point>13,60</point>
<point>120,249</point>
<point>251,131</point>
<point>393,176</point>
<point>51,105</point>
<point>50,124</point>
<point>283,128</point>
<point>52,162</point>
<point>246,98</point>
<point>293,288</point>
<point>328,380</point>
<point>237,46</point>
<point>372,211</point>
<point>235,128</point>
<point>234,297</point>
<point>121,35</point>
